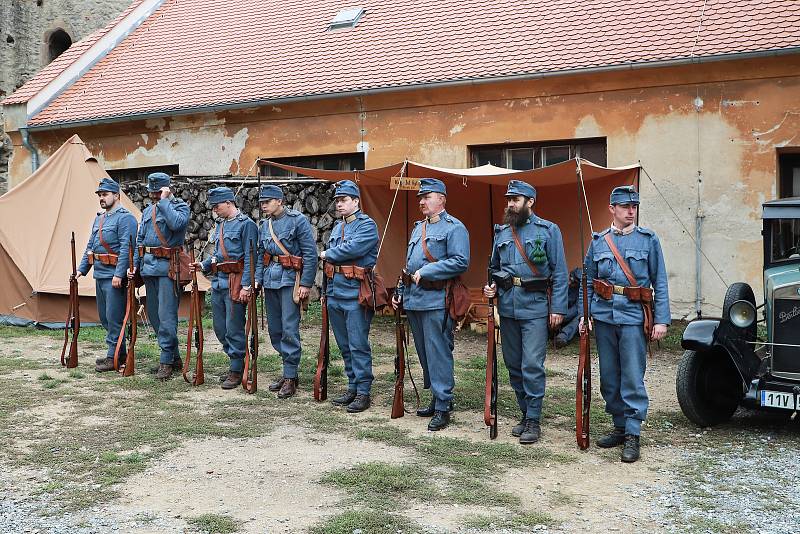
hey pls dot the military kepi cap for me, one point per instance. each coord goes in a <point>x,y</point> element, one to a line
<point>107,184</point>
<point>625,194</point>
<point>346,188</point>
<point>431,185</point>
<point>269,192</point>
<point>520,188</point>
<point>156,181</point>
<point>218,195</point>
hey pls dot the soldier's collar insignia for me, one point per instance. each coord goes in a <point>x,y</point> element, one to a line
<point>350,218</point>
<point>623,231</point>
<point>433,220</point>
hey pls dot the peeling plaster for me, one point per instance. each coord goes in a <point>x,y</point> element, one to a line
<point>588,127</point>
<point>457,128</point>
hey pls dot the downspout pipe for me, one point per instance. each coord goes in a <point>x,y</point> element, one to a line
<point>28,144</point>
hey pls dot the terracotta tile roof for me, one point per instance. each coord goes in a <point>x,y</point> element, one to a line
<point>203,53</point>
<point>57,66</point>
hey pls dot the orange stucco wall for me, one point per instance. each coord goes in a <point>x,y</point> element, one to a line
<point>708,131</point>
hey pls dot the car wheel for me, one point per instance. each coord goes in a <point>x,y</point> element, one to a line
<point>740,291</point>
<point>709,387</point>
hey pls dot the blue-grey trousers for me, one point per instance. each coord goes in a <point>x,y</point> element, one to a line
<point>433,339</point>
<point>111,309</point>
<point>623,360</point>
<point>283,325</point>
<point>229,320</point>
<point>162,310</point>
<point>570,328</point>
<point>524,347</point>
<point>350,323</point>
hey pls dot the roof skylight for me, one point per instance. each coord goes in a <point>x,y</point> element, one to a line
<point>346,18</point>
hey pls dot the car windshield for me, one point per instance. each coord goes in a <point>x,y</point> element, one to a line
<point>785,239</point>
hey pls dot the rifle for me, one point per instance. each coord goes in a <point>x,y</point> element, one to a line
<point>323,358</point>
<point>130,322</point>
<point>250,373</point>
<point>73,322</point>
<point>490,397</point>
<point>401,363</point>
<point>196,332</point>
<point>583,386</point>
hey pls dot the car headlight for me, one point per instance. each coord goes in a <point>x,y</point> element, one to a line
<point>742,313</point>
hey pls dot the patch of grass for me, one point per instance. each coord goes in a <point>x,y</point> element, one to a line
<point>368,522</point>
<point>520,521</point>
<point>375,482</point>
<point>76,374</point>
<point>44,376</point>
<point>464,489</point>
<point>386,434</point>
<point>52,384</point>
<point>470,457</point>
<point>214,523</point>
<point>560,498</point>
<point>326,419</point>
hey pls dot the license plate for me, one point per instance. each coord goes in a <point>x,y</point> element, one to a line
<point>777,399</point>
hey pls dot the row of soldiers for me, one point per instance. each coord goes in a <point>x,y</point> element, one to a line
<point>527,265</point>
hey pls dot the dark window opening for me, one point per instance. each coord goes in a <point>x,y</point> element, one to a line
<point>789,175</point>
<point>139,174</point>
<point>526,156</point>
<point>332,162</point>
<point>57,44</point>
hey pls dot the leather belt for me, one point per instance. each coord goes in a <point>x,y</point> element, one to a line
<point>430,285</point>
<point>158,252</point>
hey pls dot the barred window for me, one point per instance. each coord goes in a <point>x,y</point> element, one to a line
<point>525,156</point>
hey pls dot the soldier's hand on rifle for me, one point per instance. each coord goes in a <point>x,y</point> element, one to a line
<point>489,291</point>
<point>302,292</point>
<point>555,320</point>
<point>659,331</point>
<point>131,273</point>
<point>580,325</point>
<point>196,266</point>
<point>416,277</point>
<point>78,274</point>
<point>395,301</point>
<point>116,282</point>
<point>244,294</point>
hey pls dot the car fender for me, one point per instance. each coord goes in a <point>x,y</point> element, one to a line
<point>707,335</point>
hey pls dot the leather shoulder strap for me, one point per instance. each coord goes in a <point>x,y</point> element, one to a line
<point>275,238</point>
<point>222,249</point>
<point>100,235</point>
<point>158,232</point>
<point>620,260</point>
<point>522,252</point>
<point>425,250</point>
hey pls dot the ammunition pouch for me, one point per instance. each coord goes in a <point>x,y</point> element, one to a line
<point>536,284</point>
<point>348,271</point>
<point>503,280</point>
<point>228,267</point>
<point>105,259</point>
<point>607,290</point>
<point>158,252</point>
<point>286,261</point>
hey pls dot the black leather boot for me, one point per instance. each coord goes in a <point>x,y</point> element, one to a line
<point>428,411</point>
<point>612,439</point>
<point>359,404</point>
<point>531,433</point>
<point>276,385</point>
<point>440,420</point>
<point>344,399</point>
<point>630,451</point>
<point>517,429</point>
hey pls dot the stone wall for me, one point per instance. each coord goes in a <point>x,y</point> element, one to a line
<point>312,200</point>
<point>25,28</point>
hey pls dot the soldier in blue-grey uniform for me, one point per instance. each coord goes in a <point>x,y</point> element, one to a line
<point>569,327</point>
<point>618,316</point>
<point>423,288</point>
<point>351,253</point>
<point>529,273</point>
<point>171,216</point>
<point>286,271</point>
<point>234,237</point>
<point>113,232</point>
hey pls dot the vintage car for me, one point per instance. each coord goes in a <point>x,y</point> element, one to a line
<point>726,364</point>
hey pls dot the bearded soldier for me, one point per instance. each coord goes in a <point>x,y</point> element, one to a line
<point>529,274</point>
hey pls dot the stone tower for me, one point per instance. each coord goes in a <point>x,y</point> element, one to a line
<point>33,33</point>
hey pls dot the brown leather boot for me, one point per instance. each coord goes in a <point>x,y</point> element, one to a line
<point>106,365</point>
<point>233,380</point>
<point>288,389</point>
<point>164,371</point>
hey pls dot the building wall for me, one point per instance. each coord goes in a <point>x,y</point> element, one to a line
<point>25,26</point>
<point>707,132</point>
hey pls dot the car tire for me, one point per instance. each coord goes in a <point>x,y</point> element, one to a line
<point>708,387</point>
<point>740,291</point>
